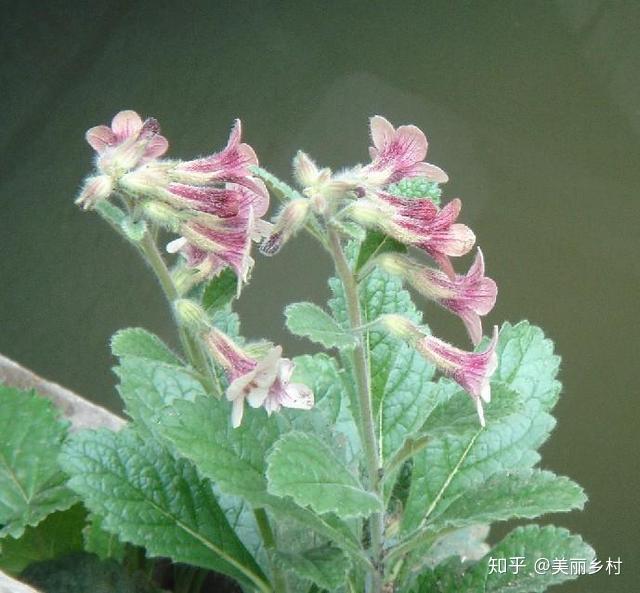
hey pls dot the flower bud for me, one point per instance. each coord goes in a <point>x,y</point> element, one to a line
<point>305,170</point>
<point>191,315</point>
<point>290,220</point>
<point>161,214</point>
<point>95,189</point>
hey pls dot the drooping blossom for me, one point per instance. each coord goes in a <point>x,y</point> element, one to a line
<point>125,145</point>
<point>471,370</point>
<point>211,243</point>
<point>261,381</point>
<point>469,296</point>
<point>418,222</point>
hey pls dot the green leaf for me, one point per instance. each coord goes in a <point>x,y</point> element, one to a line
<point>31,483</point>
<point>324,566</point>
<point>59,534</point>
<point>135,230</point>
<point>309,320</point>
<point>80,573</point>
<point>462,460</point>
<point>531,542</point>
<point>522,494</point>
<point>374,244</point>
<point>135,341</point>
<point>152,500</point>
<point>417,187</point>
<point>221,290</point>
<point>303,467</point>
<point>146,386</point>
<point>320,372</point>
<point>100,542</point>
<point>234,459</point>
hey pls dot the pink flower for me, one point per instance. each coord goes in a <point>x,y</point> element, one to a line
<point>230,164</point>
<point>260,382</point>
<point>471,370</point>
<point>468,296</point>
<point>211,243</point>
<point>420,223</point>
<point>128,143</point>
<point>399,153</point>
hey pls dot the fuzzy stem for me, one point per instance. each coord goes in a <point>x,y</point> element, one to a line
<point>268,537</point>
<point>367,428</point>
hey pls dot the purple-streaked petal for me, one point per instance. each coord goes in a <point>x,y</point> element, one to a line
<point>126,124</point>
<point>100,138</point>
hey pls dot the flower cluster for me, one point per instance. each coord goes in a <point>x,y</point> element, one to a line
<point>363,195</point>
<point>214,203</point>
<point>216,206</point>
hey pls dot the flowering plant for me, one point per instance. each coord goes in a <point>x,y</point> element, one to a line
<point>376,465</point>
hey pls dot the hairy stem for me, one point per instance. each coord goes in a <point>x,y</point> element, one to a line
<point>367,428</point>
<point>280,584</point>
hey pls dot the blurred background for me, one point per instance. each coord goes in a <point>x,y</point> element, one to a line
<point>533,108</point>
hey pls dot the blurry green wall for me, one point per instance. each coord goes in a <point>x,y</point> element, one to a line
<point>532,108</point>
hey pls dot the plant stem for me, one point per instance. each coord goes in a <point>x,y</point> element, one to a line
<point>367,428</point>
<point>268,537</point>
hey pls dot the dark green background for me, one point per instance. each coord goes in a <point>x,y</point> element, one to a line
<point>532,108</point>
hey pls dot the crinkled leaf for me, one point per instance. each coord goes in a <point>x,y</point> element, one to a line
<point>101,542</point>
<point>221,290</point>
<point>459,461</point>
<point>135,341</point>
<point>234,459</point>
<point>31,483</point>
<point>59,534</point>
<point>303,467</point>
<point>310,321</point>
<point>81,572</point>
<point>531,542</point>
<point>521,494</point>
<point>146,386</point>
<point>324,566</point>
<point>150,499</point>
<point>417,187</point>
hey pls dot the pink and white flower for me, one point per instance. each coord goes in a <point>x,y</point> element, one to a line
<point>469,296</point>
<point>399,153</point>
<point>471,370</point>
<point>420,223</point>
<point>260,382</point>
<point>127,143</point>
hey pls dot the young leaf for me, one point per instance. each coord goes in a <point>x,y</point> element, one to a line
<point>531,542</point>
<point>59,534</point>
<point>100,542</point>
<point>221,290</point>
<point>31,484</point>
<point>309,320</point>
<point>522,494</point>
<point>325,566</point>
<point>135,341</point>
<point>456,462</point>
<point>417,187</point>
<point>150,499</point>
<point>303,467</point>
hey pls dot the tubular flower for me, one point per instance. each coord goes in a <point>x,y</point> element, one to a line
<point>128,143</point>
<point>260,382</point>
<point>471,370</point>
<point>419,223</point>
<point>469,296</point>
<point>399,153</point>
<point>210,243</point>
